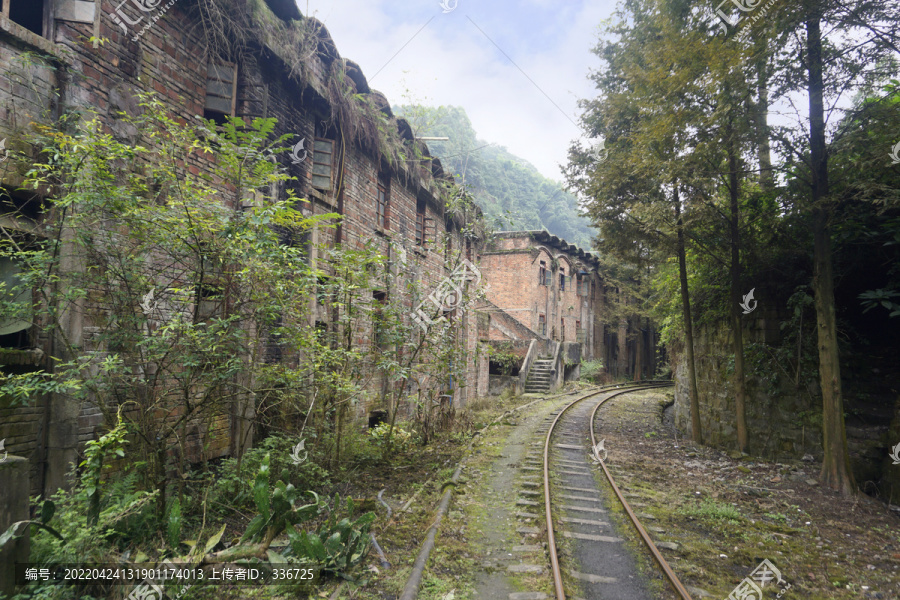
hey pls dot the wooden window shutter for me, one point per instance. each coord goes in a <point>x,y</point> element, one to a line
<point>221,88</point>
<point>323,164</point>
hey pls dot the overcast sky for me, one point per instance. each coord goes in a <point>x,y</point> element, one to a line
<point>452,62</point>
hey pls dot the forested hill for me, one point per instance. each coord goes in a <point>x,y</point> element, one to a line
<point>510,191</point>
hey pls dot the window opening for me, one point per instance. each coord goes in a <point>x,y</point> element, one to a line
<point>421,236</point>
<point>14,329</point>
<point>221,92</point>
<point>27,13</point>
<point>383,202</point>
<point>323,164</point>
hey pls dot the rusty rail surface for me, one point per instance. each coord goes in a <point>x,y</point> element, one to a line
<point>670,574</point>
<point>551,537</point>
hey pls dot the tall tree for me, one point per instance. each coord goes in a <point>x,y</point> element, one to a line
<point>836,471</point>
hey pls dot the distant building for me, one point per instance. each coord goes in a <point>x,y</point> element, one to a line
<point>539,287</point>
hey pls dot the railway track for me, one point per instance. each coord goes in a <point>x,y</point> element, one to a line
<point>573,493</point>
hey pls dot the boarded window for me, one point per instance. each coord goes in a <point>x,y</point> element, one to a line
<point>323,164</point>
<point>221,91</point>
<point>30,14</point>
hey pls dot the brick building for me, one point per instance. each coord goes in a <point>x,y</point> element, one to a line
<point>541,287</point>
<point>261,59</point>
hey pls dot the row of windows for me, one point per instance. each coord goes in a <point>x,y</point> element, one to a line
<point>221,101</point>
<point>542,328</point>
<point>581,284</point>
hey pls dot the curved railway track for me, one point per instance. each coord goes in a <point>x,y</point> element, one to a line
<point>575,479</point>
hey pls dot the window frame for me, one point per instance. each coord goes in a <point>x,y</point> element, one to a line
<point>379,301</point>
<point>214,70</point>
<point>383,202</point>
<point>46,19</point>
<point>542,273</point>
<point>542,324</point>
<point>421,218</point>
<point>319,144</point>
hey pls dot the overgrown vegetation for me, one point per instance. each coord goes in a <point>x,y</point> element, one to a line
<point>199,297</point>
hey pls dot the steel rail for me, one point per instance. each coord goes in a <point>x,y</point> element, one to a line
<point>551,537</point>
<point>411,589</point>
<point>670,574</point>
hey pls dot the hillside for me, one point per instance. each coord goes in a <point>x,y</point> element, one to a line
<point>510,191</point>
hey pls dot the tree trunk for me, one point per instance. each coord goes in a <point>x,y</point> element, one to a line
<point>736,325</point>
<point>624,359</point>
<point>836,472</point>
<point>638,350</point>
<point>764,153</point>
<point>696,430</point>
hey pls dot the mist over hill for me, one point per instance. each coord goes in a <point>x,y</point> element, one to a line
<point>513,194</point>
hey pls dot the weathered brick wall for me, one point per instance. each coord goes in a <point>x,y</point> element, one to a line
<point>512,269</point>
<point>171,61</point>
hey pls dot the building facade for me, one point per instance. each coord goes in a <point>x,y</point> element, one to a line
<point>541,287</point>
<point>260,59</point>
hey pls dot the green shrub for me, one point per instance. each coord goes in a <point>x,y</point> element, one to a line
<point>401,439</point>
<point>233,487</point>
<point>591,369</point>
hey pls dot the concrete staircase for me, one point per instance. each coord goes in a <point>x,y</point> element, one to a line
<point>540,377</point>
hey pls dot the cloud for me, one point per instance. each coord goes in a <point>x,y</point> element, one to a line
<point>451,62</point>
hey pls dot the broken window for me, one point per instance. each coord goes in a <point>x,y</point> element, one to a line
<point>562,281</point>
<point>16,305</point>
<point>562,330</point>
<point>221,91</point>
<point>542,324</point>
<point>421,237</point>
<point>542,274</point>
<point>383,202</point>
<point>30,14</point>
